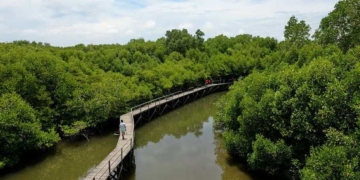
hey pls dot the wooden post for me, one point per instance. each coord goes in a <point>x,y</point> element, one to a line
<point>121,154</point>
<point>109,169</point>
<point>131,150</point>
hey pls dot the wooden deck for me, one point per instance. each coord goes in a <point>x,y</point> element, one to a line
<point>123,147</point>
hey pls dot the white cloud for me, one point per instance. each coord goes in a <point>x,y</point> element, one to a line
<point>185,26</point>
<point>227,33</point>
<point>130,32</point>
<point>208,25</point>
<point>29,31</point>
<point>241,31</point>
<point>68,22</point>
<point>150,24</point>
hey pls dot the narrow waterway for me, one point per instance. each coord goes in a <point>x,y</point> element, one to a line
<point>183,145</point>
<point>179,145</point>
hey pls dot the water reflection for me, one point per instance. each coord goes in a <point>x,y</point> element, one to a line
<point>231,169</point>
<point>66,162</point>
<point>178,145</point>
<point>182,145</point>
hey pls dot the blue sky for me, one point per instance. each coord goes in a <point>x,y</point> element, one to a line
<point>70,22</point>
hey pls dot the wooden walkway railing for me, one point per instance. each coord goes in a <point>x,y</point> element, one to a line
<point>123,147</point>
<point>105,169</point>
<point>154,101</point>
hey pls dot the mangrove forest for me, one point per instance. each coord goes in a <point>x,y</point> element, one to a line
<point>293,111</point>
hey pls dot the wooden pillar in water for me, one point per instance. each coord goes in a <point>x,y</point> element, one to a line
<point>109,170</point>
<point>131,149</point>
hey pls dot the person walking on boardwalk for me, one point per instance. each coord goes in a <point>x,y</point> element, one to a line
<point>122,127</point>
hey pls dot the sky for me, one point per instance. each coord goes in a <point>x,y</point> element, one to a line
<point>71,22</point>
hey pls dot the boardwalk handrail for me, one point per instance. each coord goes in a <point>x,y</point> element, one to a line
<point>123,148</point>
<point>154,100</point>
<point>178,92</point>
<point>107,164</point>
<point>111,163</point>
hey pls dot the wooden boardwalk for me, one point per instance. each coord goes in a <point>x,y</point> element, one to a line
<point>123,147</point>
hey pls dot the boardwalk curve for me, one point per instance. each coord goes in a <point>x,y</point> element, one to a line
<point>109,168</point>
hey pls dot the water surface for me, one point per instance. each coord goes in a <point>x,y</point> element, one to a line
<point>182,145</point>
<point>179,145</point>
<point>68,161</point>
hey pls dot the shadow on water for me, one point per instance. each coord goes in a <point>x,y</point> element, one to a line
<point>233,168</point>
<point>30,159</point>
<point>66,160</point>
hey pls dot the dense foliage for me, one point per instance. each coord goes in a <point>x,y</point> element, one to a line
<point>294,111</point>
<point>297,114</point>
<point>48,93</point>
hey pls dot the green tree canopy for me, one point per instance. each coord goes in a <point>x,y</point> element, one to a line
<point>297,33</point>
<point>20,130</point>
<point>341,26</point>
<point>179,41</point>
